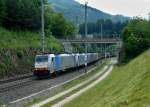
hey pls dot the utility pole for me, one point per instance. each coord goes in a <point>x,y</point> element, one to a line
<point>86,19</point>
<point>101,30</point>
<point>101,37</point>
<point>77,27</point>
<point>149,16</point>
<point>86,36</point>
<point>105,50</point>
<point>42,24</point>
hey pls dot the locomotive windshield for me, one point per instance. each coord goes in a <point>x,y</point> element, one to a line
<point>39,59</point>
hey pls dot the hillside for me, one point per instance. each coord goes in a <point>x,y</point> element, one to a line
<point>18,49</point>
<point>127,86</point>
<point>20,34</point>
<point>25,39</point>
<point>74,11</point>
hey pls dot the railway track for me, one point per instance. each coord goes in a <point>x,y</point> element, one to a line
<point>16,83</point>
<point>3,81</point>
<point>13,90</point>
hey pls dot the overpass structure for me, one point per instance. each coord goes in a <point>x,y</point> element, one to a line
<point>92,41</point>
<point>106,41</point>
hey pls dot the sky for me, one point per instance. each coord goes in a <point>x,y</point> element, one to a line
<point>124,7</point>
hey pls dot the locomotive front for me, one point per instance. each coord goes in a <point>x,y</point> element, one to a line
<point>41,65</point>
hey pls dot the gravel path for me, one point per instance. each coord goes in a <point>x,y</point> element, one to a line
<point>68,99</point>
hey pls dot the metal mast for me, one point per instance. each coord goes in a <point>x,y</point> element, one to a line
<point>86,35</point>
<point>149,16</point>
<point>42,24</point>
<point>101,30</point>
<point>86,19</point>
<point>101,38</point>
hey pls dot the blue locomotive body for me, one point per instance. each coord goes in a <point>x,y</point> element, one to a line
<point>57,64</point>
<point>47,64</point>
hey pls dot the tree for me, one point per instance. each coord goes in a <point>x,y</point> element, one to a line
<point>136,37</point>
<point>2,11</point>
<point>60,27</point>
<point>24,14</point>
<point>109,27</point>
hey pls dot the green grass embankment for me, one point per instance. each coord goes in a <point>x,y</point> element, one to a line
<point>127,86</point>
<point>26,39</point>
<point>18,48</point>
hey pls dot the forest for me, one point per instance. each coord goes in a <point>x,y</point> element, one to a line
<point>107,26</point>
<point>26,15</point>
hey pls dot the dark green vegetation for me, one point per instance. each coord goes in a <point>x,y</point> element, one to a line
<point>108,27</point>
<point>26,15</point>
<point>20,40</point>
<point>126,86</point>
<point>136,38</point>
<point>17,51</point>
<point>74,12</point>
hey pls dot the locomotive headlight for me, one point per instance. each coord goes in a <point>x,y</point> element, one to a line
<point>35,69</point>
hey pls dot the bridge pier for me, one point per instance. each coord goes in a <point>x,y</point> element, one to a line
<point>120,55</point>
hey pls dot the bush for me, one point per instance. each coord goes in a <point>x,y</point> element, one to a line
<point>136,37</point>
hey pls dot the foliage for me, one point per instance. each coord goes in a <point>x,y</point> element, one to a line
<point>57,25</point>
<point>108,27</point>
<point>27,39</point>
<point>60,27</point>
<point>2,10</point>
<point>136,37</point>
<point>18,48</point>
<point>26,15</point>
<point>22,14</point>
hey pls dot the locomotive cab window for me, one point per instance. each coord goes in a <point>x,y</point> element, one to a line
<point>52,59</point>
<point>41,59</point>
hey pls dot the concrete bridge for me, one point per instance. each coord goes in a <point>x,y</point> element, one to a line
<point>92,41</point>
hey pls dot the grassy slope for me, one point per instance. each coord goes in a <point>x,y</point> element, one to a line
<point>127,86</point>
<point>26,39</point>
<point>17,51</point>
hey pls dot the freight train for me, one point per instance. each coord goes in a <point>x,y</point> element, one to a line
<point>48,64</point>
